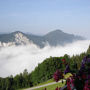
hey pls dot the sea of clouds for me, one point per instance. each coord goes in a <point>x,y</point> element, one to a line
<point>14,59</point>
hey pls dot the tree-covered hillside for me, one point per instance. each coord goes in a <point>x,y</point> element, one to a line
<point>43,72</point>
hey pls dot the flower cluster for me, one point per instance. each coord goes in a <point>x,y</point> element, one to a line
<point>84,74</point>
<point>58,75</point>
<point>81,81</point>
<point>63,61</point>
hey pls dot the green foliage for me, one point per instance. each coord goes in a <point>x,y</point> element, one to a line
<point>19,81</point>
<point>67,75</point>
<point>45,70</point>
<point>88,51</point>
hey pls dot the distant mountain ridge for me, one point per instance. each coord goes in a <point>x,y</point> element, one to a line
<point>53,38</point>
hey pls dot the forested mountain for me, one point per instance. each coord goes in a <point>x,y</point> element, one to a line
<point>53,38</point>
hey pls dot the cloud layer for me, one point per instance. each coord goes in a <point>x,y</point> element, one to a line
<point>15,59</point>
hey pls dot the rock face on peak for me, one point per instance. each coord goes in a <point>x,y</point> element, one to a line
<point>15,38</point>
<point>53,38</point>
<point>21,39</point>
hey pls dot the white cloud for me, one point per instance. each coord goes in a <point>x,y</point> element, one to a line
<point>15,59</point>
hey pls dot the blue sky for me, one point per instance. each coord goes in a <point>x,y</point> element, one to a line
<point>42,16</point>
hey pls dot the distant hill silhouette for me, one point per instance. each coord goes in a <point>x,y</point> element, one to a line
<point>53,38</point>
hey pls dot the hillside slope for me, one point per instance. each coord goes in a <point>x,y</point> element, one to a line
<point>53,38</point>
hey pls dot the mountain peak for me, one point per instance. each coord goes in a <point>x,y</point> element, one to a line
<point>53,38</point>
<point>17,32</point>
<point>57,31</point>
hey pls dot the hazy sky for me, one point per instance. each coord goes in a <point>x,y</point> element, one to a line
<point>42,16</point>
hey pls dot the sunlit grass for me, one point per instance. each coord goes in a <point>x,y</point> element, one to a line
<point>49,81</point>
<point>52,87</point>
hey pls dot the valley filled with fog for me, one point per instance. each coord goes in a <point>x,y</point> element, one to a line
<point>14,59</point>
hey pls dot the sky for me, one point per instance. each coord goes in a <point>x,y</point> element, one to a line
<point>42,16</point>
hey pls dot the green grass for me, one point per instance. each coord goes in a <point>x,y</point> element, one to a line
<point>49,81</point>
<point>23,88</point>
<point>52,87</point>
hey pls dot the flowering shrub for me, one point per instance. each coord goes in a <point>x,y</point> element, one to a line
<point>58,75</point>
<point>63,61</point>
<point>81,81</point>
